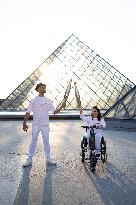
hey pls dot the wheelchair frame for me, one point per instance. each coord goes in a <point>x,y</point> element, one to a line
<point>91,147</point>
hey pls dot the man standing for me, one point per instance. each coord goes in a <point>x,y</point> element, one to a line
<point>40,106</point>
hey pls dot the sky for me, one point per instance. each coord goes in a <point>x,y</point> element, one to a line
<point>30,30</point>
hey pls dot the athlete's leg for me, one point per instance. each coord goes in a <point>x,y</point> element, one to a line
<point>45,136</point>
<point>35,133</point>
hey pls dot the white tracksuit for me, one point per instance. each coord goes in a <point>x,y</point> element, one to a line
<point>40,106</point>
<point>98,132</point>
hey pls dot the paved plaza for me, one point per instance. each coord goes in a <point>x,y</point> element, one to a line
<point>71,182</point>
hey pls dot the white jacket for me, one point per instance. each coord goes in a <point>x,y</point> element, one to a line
<point>90,122</point>
<point>40,106</point>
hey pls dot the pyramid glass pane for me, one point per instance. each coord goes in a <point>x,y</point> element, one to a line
<point>98,82</point>
<point>125,108</point>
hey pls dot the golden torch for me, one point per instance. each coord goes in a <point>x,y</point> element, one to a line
<point>63,102</point>
<point>77,96</point>
<point>67,90</point>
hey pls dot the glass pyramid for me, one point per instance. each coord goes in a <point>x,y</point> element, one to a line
<point>98,82</point>
<point>125,108</point>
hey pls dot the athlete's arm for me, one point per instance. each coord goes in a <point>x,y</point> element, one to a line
<point>58,109</point>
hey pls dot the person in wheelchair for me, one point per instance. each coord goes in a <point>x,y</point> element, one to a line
<point>98,123</point>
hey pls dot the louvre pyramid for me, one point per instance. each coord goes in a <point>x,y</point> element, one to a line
<point>98,82</point>
<point>125,108</point>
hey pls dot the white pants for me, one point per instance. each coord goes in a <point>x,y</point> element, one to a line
<point>98,137</point>
<point>45,136</point>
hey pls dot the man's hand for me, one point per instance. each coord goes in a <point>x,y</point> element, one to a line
<point>25,127</point>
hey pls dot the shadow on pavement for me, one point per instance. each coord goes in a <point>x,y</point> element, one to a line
<point>114,187</point>
<point>42,195</point>
<point>22,195</point>
<point>47,186</point>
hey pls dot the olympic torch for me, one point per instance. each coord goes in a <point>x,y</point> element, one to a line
<point>67,90</point>
<point>63,102</point>
<point>77,96</point>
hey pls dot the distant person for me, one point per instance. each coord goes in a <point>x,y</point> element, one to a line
<point>40,106</point>
<point>96,120</point>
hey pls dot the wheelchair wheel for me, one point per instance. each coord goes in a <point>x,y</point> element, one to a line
<point>83,151</point>
<point>82,144</point>
<point>105,156</point>
<point>103,151</point>
<point>83,155</point>
<point>92,162</point>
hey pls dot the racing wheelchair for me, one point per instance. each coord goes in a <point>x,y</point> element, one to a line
<point>90,148</point>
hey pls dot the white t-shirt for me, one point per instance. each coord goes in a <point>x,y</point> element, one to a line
<point>40,106</point>
<point>94,121</point>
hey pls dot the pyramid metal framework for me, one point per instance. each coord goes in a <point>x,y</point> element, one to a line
<point>125,108</point>
<point>98,82</point>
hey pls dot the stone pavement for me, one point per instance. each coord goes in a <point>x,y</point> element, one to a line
<point>71,182</point>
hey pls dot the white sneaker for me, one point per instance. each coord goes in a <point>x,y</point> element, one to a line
<point>28,162</point>
<point>49,161</point>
